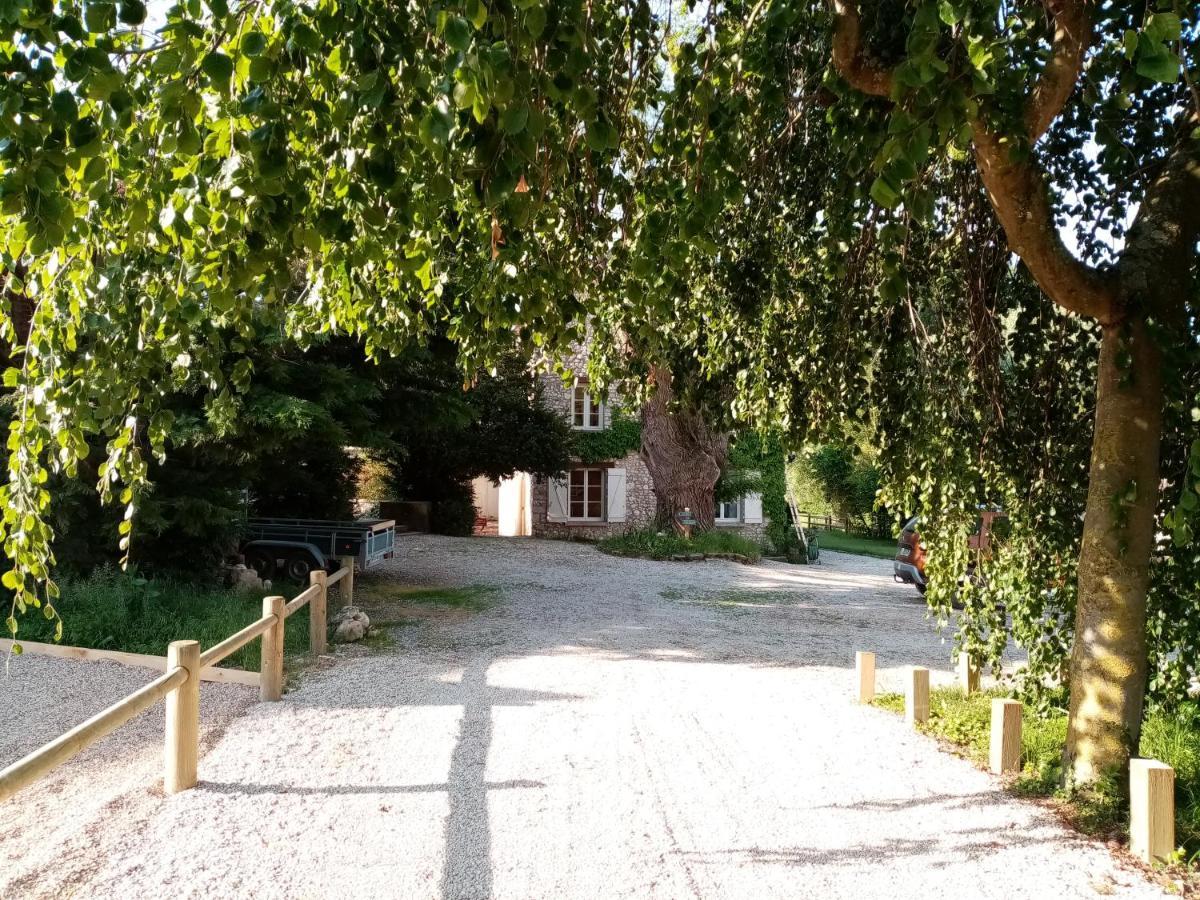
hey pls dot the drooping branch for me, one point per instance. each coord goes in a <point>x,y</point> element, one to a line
<point>1072,36</point>
<point>849,56</point>
<point>1016,188</point>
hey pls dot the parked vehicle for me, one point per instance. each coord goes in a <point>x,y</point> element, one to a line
<point>292,548</point>
<point>909,565</point>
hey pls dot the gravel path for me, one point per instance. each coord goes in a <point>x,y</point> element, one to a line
<point>608,728</point>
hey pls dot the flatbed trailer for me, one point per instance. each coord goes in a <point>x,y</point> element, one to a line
<point>293,548</point>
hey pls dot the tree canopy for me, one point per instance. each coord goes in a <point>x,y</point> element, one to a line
<point>831,213</point>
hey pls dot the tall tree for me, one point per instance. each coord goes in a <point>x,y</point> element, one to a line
<point>807,184</point>
<point>1016,73</point>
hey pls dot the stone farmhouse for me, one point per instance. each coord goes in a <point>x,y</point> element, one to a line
<point>593,499</point>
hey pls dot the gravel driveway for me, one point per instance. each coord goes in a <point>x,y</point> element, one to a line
<point>607,728</point>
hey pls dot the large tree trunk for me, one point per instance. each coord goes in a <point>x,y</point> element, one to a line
<point>684,454</point>
<point>1108,661</point>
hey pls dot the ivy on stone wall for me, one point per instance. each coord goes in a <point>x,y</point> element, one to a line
<point>756,465</point>
<point>622,437</point>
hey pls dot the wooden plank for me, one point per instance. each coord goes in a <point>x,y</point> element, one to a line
<point>864,664</point>
<point>1005,749</point>
<point>1151,810</point>
<point>181,750</point>
<point>916,696</point>
<point>32,767</point>
<point>338,575</point>
<point>300,599</point>
<point>968,673</point>
<point>144,660</point>
<point>235,642</point>
<point>270,685</point>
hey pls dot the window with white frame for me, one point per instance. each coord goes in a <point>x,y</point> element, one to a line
<point>587,409</point>
<point>729,511</point>
<point>586,494</point>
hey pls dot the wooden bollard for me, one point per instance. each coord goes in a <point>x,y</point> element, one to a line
<point>968,673</point>
<point>1005,755</point>
<point>346,590</point>
<point>916,696</point>
<point>270,679</point>
<point>1151,810</point>
<point>864,665</point>
<point>182,748</point>
<point>317,611</point>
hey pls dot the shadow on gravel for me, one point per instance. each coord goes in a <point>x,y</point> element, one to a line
<point>933,852</point>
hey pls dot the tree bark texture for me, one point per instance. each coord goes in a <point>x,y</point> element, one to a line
<point>684,454</point>
<point>1108,658</point>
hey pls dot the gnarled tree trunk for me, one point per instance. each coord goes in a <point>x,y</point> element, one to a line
<point>684,454</point>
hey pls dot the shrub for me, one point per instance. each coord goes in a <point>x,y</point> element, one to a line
<point>651,544</point>
<point>454,514</point>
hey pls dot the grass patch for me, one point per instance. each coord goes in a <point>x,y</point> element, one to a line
<point>113,610</point>
<point>732,598</point>
<point>472,598</point>
<point>650,544</point>
<point>854,543</point>
<point>1175,740</point>
<point>965,723</point>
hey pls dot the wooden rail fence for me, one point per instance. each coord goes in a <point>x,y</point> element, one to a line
<point>179,686</point>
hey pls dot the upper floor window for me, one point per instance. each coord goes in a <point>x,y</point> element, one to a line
<point>587,409</point>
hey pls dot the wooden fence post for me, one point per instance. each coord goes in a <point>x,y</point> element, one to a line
<point>916,696</point>
<point>1151,810</point>
<point>1005,755</point>
<point>317,608</point>
<point>864,664</point>
<point>347,586</point>
<point>182,750</point>
<point>968,673</point>
<point>271,677</point>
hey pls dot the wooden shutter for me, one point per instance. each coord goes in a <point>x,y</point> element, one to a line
<point>616,495</point>
<point>752,513</point>
<point>557,490</point>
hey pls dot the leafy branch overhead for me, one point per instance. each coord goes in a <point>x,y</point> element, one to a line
<point>345,165</point>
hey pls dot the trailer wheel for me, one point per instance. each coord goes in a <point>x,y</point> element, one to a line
<point>298,566</point>
<point>261,561</point>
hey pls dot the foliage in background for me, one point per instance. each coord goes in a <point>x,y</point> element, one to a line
<point>805,489</point>
<point>114,610</point>
<point>651,544</point>
<point>756,465</point>
<point>283,451</point>
<point>848,480</point>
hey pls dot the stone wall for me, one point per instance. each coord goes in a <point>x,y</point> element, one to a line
<point>751,531</point>
<point>640,506</point>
